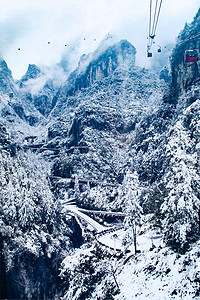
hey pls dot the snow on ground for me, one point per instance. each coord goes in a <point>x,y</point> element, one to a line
<point>159,273</point>
<point>116,240</point>
<point>155,272</point>
<point>113,240</point>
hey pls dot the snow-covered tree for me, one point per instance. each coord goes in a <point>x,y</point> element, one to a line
<point>131,192</point>
<point>181,207</point>
<point>76,187</point>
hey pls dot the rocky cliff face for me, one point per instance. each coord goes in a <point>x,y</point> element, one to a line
<point>98,65</point>
<point>6,80</point>
<point>39,86</point>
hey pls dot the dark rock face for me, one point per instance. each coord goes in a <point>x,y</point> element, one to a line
<point>3,135</point>
<point>34,278</point>
<point>165,75</point>
<point>44,100</point>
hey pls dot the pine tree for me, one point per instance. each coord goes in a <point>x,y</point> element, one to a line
<point>131,192</point>
<point>181,207</point>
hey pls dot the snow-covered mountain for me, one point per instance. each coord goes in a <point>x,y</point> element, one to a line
<point>110,136</point>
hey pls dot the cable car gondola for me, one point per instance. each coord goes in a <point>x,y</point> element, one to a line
<point>191,56</point>
<point>149,53</point>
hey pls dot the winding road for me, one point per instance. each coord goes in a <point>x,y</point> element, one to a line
<point>111,237</point>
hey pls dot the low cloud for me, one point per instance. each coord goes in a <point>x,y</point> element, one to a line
<point>45,31</point>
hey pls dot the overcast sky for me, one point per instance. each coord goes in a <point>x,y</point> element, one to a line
<point>81,25</point>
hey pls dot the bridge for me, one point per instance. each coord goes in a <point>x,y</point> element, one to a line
<point>111,237</point>
<point>80,180</point>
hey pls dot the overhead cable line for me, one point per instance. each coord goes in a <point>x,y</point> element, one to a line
<point>150,18</point>
<point>152,35</point>
<point>155,17</point>
<point>190,38</point>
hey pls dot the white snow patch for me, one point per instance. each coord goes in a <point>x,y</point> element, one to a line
<point>161,274</point>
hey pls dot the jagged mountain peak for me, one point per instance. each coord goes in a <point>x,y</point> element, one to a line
<point>4,67</point>
<point>7,84</point>
<point>39,85</point>
<point>99,64</point>
<point>32,72</point>
<point>122,47</point>
<point>121,50</point>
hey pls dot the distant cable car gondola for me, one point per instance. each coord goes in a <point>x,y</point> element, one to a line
<point>191,56</point>
<point>149,54</point>
<point>159,49</point>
